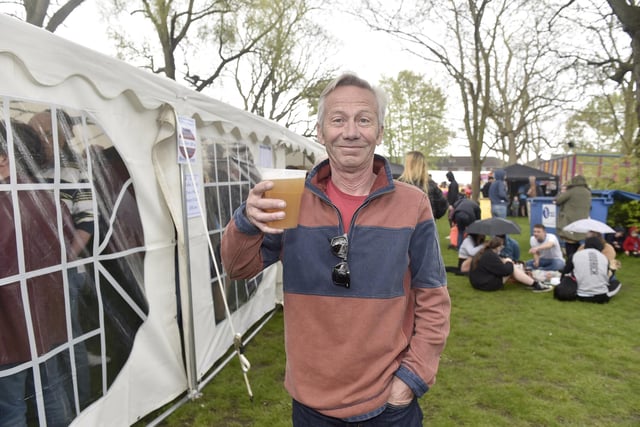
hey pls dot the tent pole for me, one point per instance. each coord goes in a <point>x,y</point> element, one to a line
<point>192,373</point>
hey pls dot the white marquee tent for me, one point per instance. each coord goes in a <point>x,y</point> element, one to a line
<point>147,322</point>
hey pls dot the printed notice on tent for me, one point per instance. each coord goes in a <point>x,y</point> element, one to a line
<point>191,194</point>
<point>265,157</point>
<point>186,140</point>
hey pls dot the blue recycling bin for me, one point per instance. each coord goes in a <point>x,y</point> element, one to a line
<point>543,211</point>
<point>600,202</point>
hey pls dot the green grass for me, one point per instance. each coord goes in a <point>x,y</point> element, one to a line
<point>514,358</point>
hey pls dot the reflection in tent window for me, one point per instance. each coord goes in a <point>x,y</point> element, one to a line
<point>75,184</point>
<point>229,174</point>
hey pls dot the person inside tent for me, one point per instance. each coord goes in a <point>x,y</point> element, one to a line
<point>38,243</point>
<point>79,201</point>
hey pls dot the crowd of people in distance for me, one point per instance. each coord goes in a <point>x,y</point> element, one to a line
<point>582,263</point>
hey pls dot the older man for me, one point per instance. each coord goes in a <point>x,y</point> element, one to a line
<point>365,297</point>
<point>546,250</point>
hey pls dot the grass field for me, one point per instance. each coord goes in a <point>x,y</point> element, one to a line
<point>514,358</point>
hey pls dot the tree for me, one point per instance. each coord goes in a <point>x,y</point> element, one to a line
<point>612,65</point>
<point>629,15</point>
<point>603,58</point>
<point>415,116</point>
<point>280,77</point>
<point>471,28</point>
<point>601,126</point>
<point>525,89</point>
<point>261,45</point>
<point>37,11</point>
<point>498,54</point>
<point>174,24</point>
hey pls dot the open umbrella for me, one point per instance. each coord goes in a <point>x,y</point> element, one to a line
<point>588,224</point>
<point>493,227</point>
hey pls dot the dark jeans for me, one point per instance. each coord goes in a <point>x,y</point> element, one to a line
<point>461,230</point>
<point>392,416</point>
<point>17,389</point>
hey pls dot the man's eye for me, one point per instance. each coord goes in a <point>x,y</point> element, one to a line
<point>365,121</point>
<point>337,121</point>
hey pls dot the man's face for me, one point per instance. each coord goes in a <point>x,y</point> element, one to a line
<point>539,234</point>
<point>350,130</point>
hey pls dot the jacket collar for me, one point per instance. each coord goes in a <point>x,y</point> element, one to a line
<point>321,173</point>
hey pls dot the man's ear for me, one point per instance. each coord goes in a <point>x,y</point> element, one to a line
<point>319,133</point>
<point>380,134</point>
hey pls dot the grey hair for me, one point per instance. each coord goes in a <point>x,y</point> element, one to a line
<point>351,79</point>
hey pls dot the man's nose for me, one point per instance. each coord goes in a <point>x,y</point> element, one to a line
<point>351,130</point>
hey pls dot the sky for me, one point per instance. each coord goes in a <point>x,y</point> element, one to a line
<point>372,55</point>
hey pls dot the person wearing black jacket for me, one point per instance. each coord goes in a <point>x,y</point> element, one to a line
<point>453,191</point>
<point>486,186</point>
<point>465,211</point>
<point>416,173</point>
<point>489,272</point>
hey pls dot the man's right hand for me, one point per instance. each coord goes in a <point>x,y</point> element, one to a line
<point>257,208</point>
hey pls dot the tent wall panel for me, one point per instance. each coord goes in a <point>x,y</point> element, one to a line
<point>136,114</point>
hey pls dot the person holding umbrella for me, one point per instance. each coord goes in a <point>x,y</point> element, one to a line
<point>489,272</point>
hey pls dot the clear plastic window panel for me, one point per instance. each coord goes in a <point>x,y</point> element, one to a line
<point>229,174</point>
<point>71,276</point>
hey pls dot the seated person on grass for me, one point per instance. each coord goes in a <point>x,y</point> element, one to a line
<point>631,244</point>
<point>546,251</point>
<point>617,239</point>
<point>470,246</point>
<point>590,267</point>
<point>511,248</point>
<point>607,250</point>
<point>489,272</point>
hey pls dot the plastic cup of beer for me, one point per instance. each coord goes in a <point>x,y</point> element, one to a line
<point>288,185</point>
